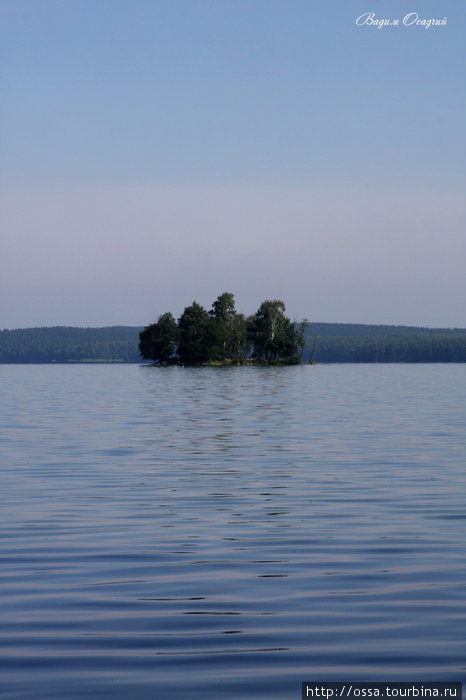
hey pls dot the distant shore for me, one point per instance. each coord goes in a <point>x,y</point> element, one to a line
<point>331,342</point>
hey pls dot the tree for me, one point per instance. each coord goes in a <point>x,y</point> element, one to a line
<point>266,329</point>
<point>273,336</point>
<point>224,336</point>
<point>239,337</point>
<point>295,334</point>
<point>157,342</point>
<point>194,335</point>
<point>223,315</point>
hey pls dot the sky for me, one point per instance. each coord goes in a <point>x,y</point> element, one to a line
<point>157,152</point>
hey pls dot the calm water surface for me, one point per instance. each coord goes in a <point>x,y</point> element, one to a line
<point>228,533</point>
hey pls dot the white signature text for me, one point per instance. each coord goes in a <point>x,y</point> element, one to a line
<point>411,19</point>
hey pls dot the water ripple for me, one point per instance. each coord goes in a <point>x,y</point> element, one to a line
<point>230,533</point>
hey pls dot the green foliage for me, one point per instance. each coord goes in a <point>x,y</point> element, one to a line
<point>225,336</point>
<point>267,330</point>
<point>239,338</point>
<point>223,324</point>
<point>337,342</point>
<point>273,336</point>
<point>157,342</point>
<point>195,335</point>
<point>331,342</point>
<point>69,344</point>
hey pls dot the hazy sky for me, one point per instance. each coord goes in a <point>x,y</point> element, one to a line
<point>153,152</point>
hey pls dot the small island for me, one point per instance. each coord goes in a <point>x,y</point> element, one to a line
<point>222,336</point>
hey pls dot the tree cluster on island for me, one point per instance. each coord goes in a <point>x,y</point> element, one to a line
<point>224,336</point>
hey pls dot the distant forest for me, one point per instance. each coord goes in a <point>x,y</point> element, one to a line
<point>68,344</point>
<point>348,342</point>
<point>325,342</point>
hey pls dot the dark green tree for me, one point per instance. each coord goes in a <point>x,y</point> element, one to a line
<point>194,335</point>
<point>273,336</point>
<point>266,329</point>
<point>157,342</point>
<point>223,315</point>
<point>239,338</point>
<point>295,340</point>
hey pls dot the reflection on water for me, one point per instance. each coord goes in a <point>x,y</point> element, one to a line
<point>230,532</point>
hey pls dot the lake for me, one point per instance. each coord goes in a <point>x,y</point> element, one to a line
<point>230,532</point>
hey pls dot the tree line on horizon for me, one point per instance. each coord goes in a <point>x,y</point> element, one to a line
<point>68,344</point>
<point>435,346</point>
<point>326,342</point>
<point>224,336</point>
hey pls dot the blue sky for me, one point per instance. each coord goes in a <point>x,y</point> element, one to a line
<point>159,151</point>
